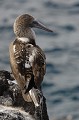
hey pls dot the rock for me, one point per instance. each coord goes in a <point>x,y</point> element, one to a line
<point>12,104</point>
<point>9,113</point>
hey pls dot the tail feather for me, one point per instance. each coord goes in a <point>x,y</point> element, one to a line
<point>30,84</point>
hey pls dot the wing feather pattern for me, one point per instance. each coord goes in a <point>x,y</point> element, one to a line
<point>27,59</point>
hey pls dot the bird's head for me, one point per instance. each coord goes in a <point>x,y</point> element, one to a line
<point>23,26</point>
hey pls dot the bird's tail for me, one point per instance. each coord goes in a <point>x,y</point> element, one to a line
<point>31,92</point>
<point>29,82</point>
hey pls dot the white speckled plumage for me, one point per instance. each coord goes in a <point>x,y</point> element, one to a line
<point>23,39</point>
<point>14,48</point>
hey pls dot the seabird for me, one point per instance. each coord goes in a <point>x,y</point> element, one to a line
<point>28,61</point>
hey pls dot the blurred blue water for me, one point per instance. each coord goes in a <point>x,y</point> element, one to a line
<point>61,82</point>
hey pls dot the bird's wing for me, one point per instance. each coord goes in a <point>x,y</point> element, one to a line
<point>39,65</point>
<point>17,63</point>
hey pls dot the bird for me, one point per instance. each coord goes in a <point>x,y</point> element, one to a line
<point>27,59</point>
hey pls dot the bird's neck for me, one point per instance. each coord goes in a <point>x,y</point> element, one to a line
<point>26,40</point>
<point>24,32</point>
<point>25,35</point>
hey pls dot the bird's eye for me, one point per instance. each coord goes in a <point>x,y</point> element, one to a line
<point>30,25</point>
<point>33,24</point>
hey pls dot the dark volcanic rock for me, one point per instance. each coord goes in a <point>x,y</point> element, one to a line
<point>12,104</point>
<point>9,113</point>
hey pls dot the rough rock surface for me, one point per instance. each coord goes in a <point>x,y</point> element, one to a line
<point>9,113</point>
<point>12,104</point>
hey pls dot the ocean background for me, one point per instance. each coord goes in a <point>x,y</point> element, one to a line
<point>61,82</point>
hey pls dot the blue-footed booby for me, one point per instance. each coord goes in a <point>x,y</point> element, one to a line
<point>28,61</point>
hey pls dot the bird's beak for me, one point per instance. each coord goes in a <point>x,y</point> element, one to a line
<point>39,25</point>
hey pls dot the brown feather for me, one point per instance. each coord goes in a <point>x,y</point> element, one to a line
<point>22,54</point>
